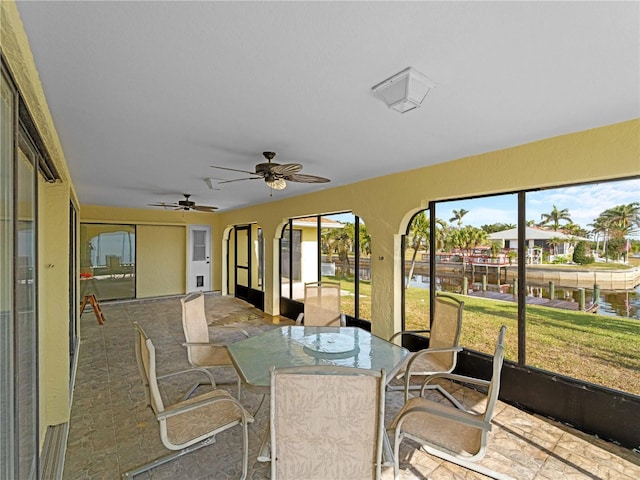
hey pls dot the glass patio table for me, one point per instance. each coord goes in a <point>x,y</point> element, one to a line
<point>295,346</point>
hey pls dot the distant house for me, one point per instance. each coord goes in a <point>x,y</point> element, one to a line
<point>537,240</point>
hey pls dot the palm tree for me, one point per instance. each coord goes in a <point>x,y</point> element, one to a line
<point>365,240</point>
<point>575,230</point>
<point>618,222</point>
<point>600,227</point>
<point>344,246</point>
<point>468,238</point>
<point>442,234</point>
<point>555,217</point>
<point>554,242</point>
<point>417,235</point>
<point>329,239</point>
<point>457,216</point>
<point>623,219</point>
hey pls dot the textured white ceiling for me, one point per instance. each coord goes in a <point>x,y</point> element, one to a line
<point>147,95</point>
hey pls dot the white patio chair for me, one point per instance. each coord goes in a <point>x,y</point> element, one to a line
<point>189,424</point>
<point>450,432</point>
<point>442,354</point>
<point>327,423</point>
<point>201,352</point>
<point>321,305</point>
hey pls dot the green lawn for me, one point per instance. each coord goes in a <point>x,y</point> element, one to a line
<point>595,348</point>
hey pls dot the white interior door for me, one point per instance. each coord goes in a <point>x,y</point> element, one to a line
<point>199,265</point>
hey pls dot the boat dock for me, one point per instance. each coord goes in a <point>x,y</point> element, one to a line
<point>544,302</point>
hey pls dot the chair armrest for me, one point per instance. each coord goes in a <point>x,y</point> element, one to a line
<point>188,370</point>
<point>428,351</point>
<point>187,406</point>
<point>409,332</point>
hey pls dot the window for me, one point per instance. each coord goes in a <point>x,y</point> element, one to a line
<point>582,242</point>
<point>542,263</point>
<point>328,247</point>
<point>471,260</point>
<point>290,261</point>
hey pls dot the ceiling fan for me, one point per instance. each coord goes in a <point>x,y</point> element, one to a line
<point>185,204</point>
<point>276,175</point>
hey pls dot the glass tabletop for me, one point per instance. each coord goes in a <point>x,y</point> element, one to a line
<point>297,345</point>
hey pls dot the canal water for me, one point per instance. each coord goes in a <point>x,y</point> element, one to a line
<point>620,303</point>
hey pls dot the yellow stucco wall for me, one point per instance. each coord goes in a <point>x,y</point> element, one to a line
<point>53,304</point>
<point>161,260</point>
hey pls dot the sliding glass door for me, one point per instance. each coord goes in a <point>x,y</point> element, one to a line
<point>18,293</point>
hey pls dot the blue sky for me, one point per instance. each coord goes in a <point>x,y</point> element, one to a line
<point>584,203</point>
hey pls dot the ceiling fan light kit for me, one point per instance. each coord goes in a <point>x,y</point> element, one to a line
<point>404,91</point>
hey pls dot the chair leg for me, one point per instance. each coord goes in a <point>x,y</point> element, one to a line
<point>396,454</point>
<point>167,458</point>
<point>245,453</point>
<point>264,453</point>
<point>448,396</point>
<point>259,406</point>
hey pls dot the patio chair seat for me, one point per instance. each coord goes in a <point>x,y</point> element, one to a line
<point>183,428</point>
<point>458,438</point>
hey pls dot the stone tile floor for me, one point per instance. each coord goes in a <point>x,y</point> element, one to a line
<point>111,429</point>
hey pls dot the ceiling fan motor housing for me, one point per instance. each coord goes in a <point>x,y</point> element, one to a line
<point>263,169</point>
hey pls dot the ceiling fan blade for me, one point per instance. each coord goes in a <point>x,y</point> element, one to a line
<point>234,170</point>
<point>306,178</point>
<point>162,205</point>
<point>204,208</point>
<point>240,179</point>
<point>286,169</point>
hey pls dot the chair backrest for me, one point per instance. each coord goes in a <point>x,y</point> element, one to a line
<point>322,304</point>
<point>146,359</point>
<point>494,386</point>
<point>446,327</point>
<point>194,324</point>
<point>327,422</point>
